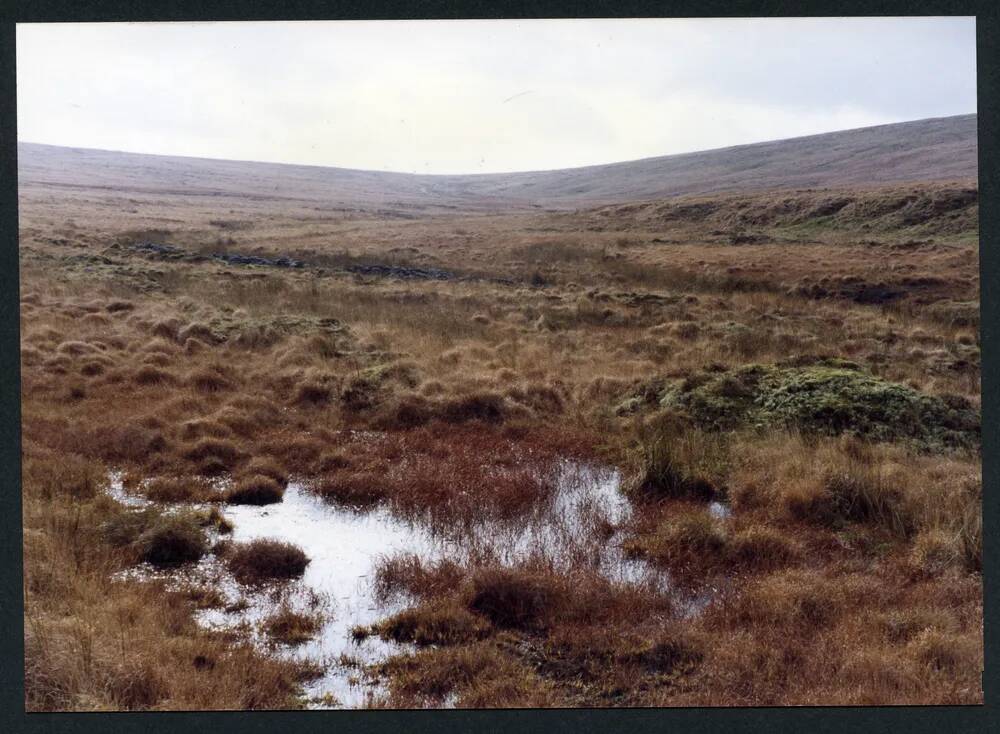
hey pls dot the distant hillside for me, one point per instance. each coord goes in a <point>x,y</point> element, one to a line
<point>941,149</point>
<point>916,209</point>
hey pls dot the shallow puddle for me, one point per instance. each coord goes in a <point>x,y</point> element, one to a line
<point>344,546</point>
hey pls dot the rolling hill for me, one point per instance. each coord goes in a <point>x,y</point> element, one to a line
<point>939,149</point>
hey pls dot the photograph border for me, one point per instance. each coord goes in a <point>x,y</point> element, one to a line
<point>813,719</point>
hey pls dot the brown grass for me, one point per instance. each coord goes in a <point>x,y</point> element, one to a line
<point>848,572</point>
<point>177,489</point>
<point>434,624</point>
<point>290,627</point>
<point>265,560</point>
<point>511,599</point>
<point>255,490</point>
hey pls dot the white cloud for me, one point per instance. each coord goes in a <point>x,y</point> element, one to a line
<point>470,96</point>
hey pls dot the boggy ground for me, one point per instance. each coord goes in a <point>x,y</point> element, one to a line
<point>810,359</point>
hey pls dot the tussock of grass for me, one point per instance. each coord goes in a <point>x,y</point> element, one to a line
<point>788,600</point>
<point>433,624</point>
<point>150,375</point>
<point>255,490</point>
<point>265,560</point>
<point>935,551</point>
<point>942,652</point>
<point>513,599</point>
<point>312,393</point>
<point>208,381</point>
<point>220,454</point>
<point>408,574</point>
<point>260,466</point>
<point>684,537</point>
<point>178,489</point>
<point>761,548</point>
<point>678,463</point>
<point>172,540</point>
<point>479,674</point>
<point>290,627</point>
<point>360,490</point>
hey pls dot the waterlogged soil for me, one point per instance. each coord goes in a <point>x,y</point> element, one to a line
<point>344,546</point>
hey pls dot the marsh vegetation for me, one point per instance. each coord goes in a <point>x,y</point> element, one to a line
<point>714,450</point>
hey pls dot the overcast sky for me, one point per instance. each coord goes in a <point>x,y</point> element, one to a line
<point>481,96</point>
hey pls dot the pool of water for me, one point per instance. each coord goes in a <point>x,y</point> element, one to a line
<point>573,525</point>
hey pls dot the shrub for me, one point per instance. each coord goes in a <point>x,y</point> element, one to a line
<point>262,560</point>
<point>255,490</point>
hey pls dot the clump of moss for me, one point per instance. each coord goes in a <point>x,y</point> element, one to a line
<point>826,397</point>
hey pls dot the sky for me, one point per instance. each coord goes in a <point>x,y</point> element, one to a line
<point>481,96</point>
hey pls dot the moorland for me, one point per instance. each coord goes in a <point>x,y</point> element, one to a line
<point>772,349</point>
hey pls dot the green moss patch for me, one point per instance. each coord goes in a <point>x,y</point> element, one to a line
<point>826,397</point>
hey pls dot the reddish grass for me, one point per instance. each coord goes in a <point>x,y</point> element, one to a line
<point>449,472</point>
